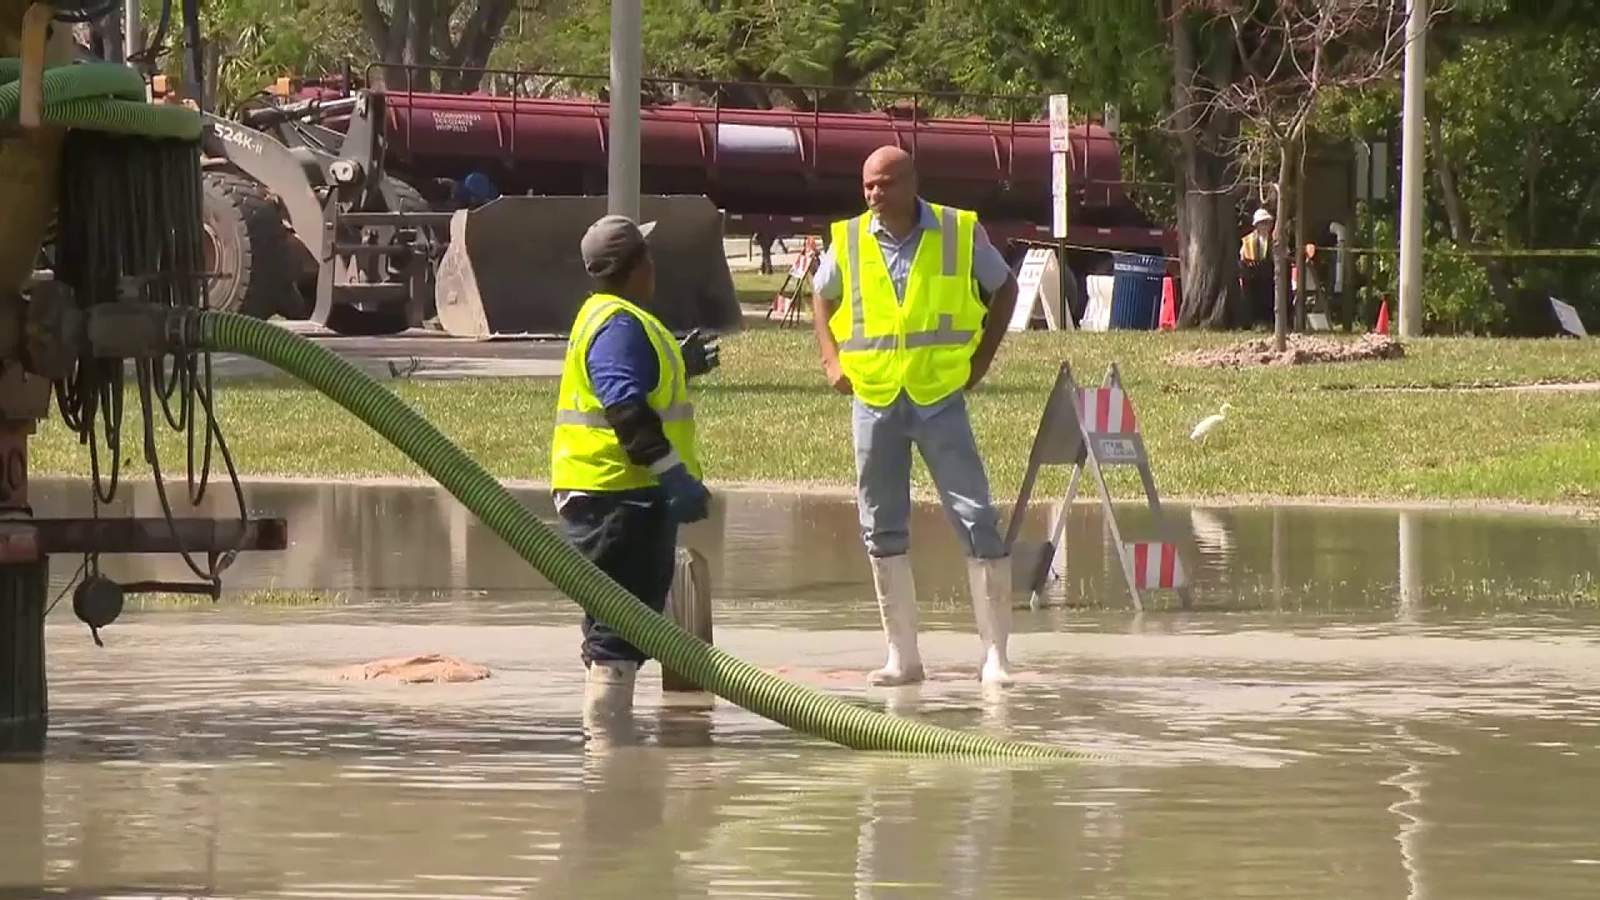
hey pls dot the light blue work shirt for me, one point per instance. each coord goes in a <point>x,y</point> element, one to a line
<point>989,268</point>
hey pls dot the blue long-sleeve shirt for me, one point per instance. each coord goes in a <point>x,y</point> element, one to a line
<point>621,361</point>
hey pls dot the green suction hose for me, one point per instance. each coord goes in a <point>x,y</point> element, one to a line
<point>97,97</point>
<point>728,677</point>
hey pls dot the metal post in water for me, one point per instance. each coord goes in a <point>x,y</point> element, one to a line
<point>1411,172</point>
<point>23,704</point>
<point>689,605</point>
<point>1410,567</point>
<point>622,185</point>
<point>132,40</point>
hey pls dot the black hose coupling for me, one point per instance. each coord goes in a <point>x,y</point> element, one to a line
<point>132,330</point>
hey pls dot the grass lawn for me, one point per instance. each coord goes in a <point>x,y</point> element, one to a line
<point>755,289</point>
<point>765,416</point>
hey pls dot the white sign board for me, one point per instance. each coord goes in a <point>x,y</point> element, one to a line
<point>1058,124</point>
<point>1060,151</point>
<point>1568,317</point>
<point>1097,310</point>
<point>1039,284</point>
<point>1058,195</point>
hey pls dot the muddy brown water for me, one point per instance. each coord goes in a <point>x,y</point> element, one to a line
<point>1364,703</point>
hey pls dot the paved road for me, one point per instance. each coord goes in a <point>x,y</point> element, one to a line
<point>420,354</point>
<point>430,354</point>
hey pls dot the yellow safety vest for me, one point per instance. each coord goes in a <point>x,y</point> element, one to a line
<point>922,343</point>
<point>585,454</point>
<point>1253,248</point>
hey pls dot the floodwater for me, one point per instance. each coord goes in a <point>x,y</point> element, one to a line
<point>1362,703</point>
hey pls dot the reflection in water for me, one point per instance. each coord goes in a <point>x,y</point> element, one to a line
<point>774,556</point>
<point>1287,738</point>
<point>1410,567</point>
<point>1412,779</point>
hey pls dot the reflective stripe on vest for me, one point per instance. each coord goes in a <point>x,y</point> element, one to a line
<point>677,412</point>
<point>934,324</point>
<point>585,453</point>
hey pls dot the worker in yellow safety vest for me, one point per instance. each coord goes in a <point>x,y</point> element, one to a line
<point>902,326</point>
<point>1255,267</point>
<point>624,467</point>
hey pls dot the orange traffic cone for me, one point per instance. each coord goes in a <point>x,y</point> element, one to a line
<point>1383,318</point>
<point>1169,306</point>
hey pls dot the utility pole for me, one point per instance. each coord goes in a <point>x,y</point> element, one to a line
<point>132,42</point>
<point>622,183</point>
<point>1411,172</point>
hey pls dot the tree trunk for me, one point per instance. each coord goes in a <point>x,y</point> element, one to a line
<point>1455,212</point>
<point>416,33</point>
<point>419,46</point>
<point>1280,249</point>
<point>1302,265</point>
<point>388,37</point>
<point>1531,164</point>
<point>479,36</point>
<point>1207,259</point>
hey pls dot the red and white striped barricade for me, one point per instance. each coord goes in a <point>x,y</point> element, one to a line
<point>1090,429</point>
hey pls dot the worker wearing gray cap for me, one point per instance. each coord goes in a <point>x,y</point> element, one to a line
<point>624,466</point>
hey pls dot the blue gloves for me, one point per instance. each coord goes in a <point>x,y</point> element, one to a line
<point>687,498</point>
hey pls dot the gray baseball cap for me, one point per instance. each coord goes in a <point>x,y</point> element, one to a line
<point>611,242</point>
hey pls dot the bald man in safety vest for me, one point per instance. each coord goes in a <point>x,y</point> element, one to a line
<point>902,327</point>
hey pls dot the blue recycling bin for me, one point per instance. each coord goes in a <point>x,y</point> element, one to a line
<point>1136,290</point>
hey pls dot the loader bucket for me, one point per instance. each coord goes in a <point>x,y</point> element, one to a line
<point>513,268</point>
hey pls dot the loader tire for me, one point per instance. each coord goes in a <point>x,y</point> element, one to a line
<point>246,248</point>
<point>402,197</point>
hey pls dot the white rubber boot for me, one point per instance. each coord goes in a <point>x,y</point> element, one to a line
<point>990,580</point>
<point>897,604</point>
<point>608,694</point>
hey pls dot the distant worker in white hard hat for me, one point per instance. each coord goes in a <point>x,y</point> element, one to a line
<point>902,326</point>
<point>1255,267</point>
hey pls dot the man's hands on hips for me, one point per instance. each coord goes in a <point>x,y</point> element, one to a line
<point>980,368</point>
<point>687,498</point>
<point>837,380</point>
<point>700,353</point>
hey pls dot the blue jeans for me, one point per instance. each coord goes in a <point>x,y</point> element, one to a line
<point>943,435</point>
<point>632,537</point>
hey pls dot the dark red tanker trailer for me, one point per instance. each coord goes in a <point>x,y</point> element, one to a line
<point>780,171</point>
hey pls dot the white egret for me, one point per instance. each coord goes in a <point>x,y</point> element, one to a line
<point>1209,422</point>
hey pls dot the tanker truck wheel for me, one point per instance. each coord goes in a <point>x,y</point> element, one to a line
<point>246,246</point>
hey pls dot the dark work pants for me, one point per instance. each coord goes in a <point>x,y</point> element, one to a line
<point>632,537</point>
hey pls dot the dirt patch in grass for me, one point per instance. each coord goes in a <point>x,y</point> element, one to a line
<point>1302,349</point>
